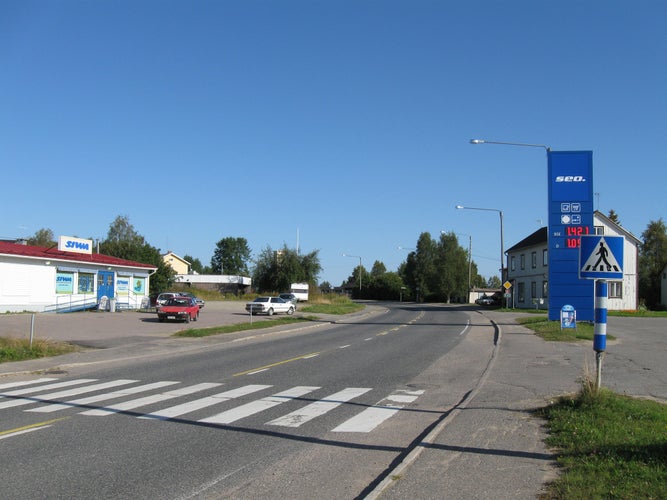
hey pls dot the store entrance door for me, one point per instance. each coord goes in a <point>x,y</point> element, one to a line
<point>105,284</point>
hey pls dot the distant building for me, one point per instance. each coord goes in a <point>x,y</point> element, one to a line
<point>528,260</point>
<point>178,264</point>
<point>222,283</point>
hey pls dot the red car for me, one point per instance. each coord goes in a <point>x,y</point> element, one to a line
<point>179,308</point>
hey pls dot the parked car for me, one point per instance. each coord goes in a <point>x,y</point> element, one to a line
<point>201,302</point>
<point>270,305</point>
<point>163,298</point>
<point>179,308</point>
<point>289,297</point>
<point>488,300</point>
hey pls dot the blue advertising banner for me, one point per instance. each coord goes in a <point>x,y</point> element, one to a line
<point>570,218</point>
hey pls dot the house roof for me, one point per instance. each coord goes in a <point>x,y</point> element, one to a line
<point>539,237</point>
<point>19,250</point>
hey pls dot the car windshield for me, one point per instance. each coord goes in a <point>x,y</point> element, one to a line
<point>178,302</point>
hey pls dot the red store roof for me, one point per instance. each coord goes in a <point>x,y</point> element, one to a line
<point>55,254</point>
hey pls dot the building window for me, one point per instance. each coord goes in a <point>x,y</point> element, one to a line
<point>533,259</point>
<point>521,292</point>
<point>513,263</point>
<point>615,290</point>
<point>545,289</point>
<point>533,290</point>
<point>545,257</point>
<point>523,261</point>
<point>64,282</point>
<point>599,230</point>
<point>86,283</point>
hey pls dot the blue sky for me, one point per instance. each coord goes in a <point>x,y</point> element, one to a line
<point>343,125</point>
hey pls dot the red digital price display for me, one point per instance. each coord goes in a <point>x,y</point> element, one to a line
<point>573,235</point>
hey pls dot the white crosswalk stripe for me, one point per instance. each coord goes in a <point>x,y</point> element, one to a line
<point>199,404</point>
<point>254,407</point>
<point>155,398</point>
<point>103,397</point>
<point>64,394</point>
<point>16,394</point>
<point>318,408</point>
<point>373,416</point>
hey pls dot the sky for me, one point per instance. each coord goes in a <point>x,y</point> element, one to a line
<point>341,127</point>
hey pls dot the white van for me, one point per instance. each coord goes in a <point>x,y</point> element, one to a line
<point>300,291</point>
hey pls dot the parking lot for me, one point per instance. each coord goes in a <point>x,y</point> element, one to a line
<point>106,328</point>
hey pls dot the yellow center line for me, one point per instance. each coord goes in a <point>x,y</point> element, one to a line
<point>32,426</point>
<point>266,367</point>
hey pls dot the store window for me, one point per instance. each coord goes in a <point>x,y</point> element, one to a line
<point>86,283</point>
<point>615,290</point>
<point>64,282</point>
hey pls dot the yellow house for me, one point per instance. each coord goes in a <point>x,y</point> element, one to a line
<point>177,263</point>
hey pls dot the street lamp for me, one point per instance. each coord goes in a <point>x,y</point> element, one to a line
<point>484,141</point>
<point>469,257</point>
<point>356,257</point>
<point>502,243</point>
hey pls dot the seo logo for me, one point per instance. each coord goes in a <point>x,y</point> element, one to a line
<point>570,178</point>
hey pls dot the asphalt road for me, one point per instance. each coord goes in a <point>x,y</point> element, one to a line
<point>324,410</point>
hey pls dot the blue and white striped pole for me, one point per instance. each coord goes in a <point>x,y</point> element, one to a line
<point>600,332</point>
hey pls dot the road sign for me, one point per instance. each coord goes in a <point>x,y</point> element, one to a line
<point>601,257</point>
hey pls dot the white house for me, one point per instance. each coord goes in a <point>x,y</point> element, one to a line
<point>68,277</point>
<point>527,269</point>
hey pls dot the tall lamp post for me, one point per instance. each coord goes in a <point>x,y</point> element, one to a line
<point>469,258</point>
<point>523,144</point>
<point>356,257</point>
<point>502,242</point>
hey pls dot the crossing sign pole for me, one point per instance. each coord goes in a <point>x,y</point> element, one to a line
<point>600,330</point>
<point>600,259</point>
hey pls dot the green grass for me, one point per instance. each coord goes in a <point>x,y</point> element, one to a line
<point>608,445</point>
<point>12,349</point>
<point>240,327</point>
<point>342,307</point>
<point>551,331</point>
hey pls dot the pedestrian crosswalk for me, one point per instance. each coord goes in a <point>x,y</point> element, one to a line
<point>95,398</point>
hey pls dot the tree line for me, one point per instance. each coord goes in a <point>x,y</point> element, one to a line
<point>438,270</point>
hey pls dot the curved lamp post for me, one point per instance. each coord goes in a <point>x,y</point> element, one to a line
<point>502,243</point>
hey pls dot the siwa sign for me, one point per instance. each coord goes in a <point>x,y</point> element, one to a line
<point>76,245</point>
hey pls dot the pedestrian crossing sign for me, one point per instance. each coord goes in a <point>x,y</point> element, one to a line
<point>601,257</point>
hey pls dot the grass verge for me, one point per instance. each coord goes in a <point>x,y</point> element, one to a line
<point>12,349</point>
<point>609,446</point>
<point>551,330</point>
<point>240,327</point>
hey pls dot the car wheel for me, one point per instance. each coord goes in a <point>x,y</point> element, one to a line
<point>270,311</point>
<point>290,311</point>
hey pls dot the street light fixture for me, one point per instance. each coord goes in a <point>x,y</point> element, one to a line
<point>356,257</point>
<point>502,242</point>
<point>484,141</point>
